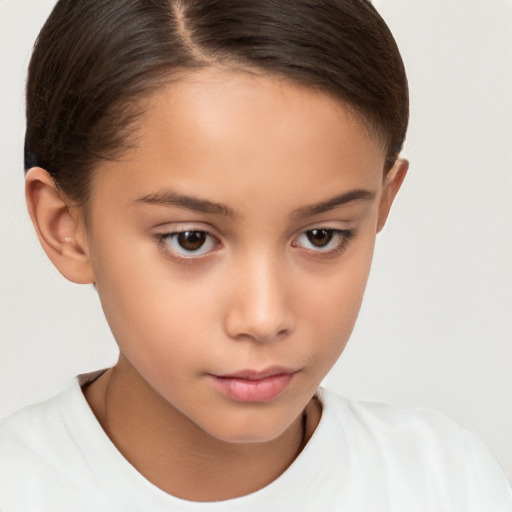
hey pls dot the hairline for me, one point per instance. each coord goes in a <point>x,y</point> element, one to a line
<point>142,104</point>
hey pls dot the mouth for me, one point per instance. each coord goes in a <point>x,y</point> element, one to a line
<point>252,386</point>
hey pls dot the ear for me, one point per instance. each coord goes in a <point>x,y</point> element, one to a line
<point>392,184</point>
<point>59,228</point>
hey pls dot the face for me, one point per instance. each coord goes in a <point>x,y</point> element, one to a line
<point>231,248</point>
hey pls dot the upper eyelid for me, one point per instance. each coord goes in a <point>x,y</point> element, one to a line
<point>182,227</point>
<point>327,227</point>
<point>345,234</point>
<point>160,238</point>
<point>163,234</point>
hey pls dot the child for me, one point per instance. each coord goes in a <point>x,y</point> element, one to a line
<point>219,171</point>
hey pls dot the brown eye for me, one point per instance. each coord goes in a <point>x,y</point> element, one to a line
<point>325,241</point>
<point>320,237</point>
<point>191,240</point>
<point>188,244</point>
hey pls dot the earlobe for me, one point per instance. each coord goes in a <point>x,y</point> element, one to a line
<point>59,229</point>
<point>392,184</point>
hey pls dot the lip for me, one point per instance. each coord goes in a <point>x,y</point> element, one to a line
<point>252,386</point>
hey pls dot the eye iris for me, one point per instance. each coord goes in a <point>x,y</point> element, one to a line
<point>319,237</point>
<point>192,240</point>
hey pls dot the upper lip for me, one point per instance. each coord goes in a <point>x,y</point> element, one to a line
<point>257,374</point>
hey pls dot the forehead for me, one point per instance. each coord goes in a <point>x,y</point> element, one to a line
<point>226,133</point>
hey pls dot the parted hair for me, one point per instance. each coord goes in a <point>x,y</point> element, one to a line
<point>95,61</point>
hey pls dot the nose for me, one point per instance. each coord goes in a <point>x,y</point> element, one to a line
<point>260,308</point>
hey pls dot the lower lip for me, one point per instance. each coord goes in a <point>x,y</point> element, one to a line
<point>259,390</point>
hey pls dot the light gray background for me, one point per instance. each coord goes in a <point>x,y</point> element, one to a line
<point>435,327</point>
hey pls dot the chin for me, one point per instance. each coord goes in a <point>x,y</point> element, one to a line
<point>250,430</point>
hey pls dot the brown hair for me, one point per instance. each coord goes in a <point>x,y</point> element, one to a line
<point>95,59</point>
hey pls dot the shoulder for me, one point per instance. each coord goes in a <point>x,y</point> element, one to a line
<point>32,439</point>
<point>39,453</point>
<point>32,428</point>
<point>384,421</point>
<point>418,449</point>
<point>43,432</point>
<point>389,421</point>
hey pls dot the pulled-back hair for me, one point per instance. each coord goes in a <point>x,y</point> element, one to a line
<point>94,60</point>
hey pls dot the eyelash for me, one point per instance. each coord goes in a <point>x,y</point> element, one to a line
<point>344,237</point>
<point>164,240</point>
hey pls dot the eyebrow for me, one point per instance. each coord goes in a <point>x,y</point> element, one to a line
<point>197,204</point>
<point>334,202</point>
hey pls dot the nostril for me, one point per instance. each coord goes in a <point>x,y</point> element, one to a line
<point>260,337</point>
<point>241,326</point>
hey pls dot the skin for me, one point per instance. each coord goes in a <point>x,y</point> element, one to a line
<point>257,294</point>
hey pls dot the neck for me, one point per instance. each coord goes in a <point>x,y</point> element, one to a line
<point>173,453</point>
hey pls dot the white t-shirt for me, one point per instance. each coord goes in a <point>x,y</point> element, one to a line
<point>55,457</point>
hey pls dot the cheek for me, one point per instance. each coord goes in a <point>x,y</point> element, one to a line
<point>154,313</point>
<point>156,331</point>
<point>341,287</point>
<point>332,302</point>
<point>150,309</point>
<point>161,313</point>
